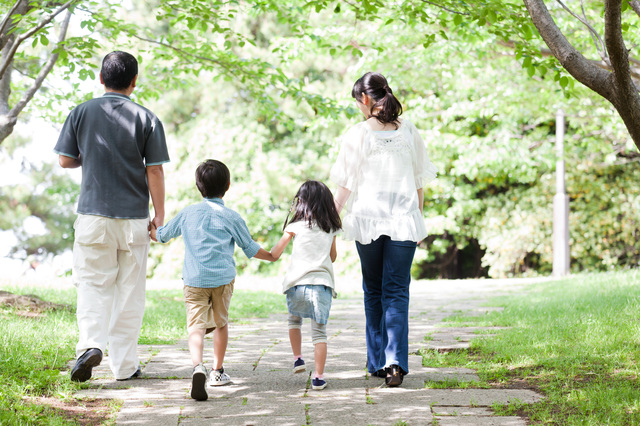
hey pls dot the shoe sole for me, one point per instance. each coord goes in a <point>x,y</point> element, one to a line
<point>299,369</point>
<point>393,382</point>
<point>198,387</point>
<point>219,383</point>
<point>82,373</point>
<point>318,387</point>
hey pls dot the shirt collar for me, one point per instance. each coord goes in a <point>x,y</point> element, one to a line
<point>215,200</point>
<point>115,95</point>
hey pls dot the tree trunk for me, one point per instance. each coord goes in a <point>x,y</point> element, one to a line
<point>9,114</point>
<point>617,86</point>
<point>7,122</point>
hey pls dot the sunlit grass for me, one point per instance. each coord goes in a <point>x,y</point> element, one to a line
<point>577,341</point>
<point>36,347</point>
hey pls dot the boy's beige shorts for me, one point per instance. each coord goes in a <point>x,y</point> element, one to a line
<point>207,308</point>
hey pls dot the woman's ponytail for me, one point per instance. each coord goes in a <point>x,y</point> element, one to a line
<point>375,86</point>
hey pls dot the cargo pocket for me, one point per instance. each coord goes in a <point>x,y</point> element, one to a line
<point>138,234</point>
<point>90,230</point>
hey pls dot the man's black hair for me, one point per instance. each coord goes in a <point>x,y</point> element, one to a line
<point>118,70</point>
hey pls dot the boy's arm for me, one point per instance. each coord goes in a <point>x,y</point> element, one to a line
<point>276,251</point>
<point>171,230</point>
<point>334,251</point>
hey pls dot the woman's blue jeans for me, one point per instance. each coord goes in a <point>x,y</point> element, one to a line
<point>386,275</point>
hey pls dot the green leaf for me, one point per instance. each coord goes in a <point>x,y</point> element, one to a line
<point>491,16</point>
<point>44,40</point>
<point>564,81</point>
<point>531,70</point>
<point>542,70</point>
<point>457,19</point>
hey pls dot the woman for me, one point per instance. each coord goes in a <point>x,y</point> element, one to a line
<point>380,172</point>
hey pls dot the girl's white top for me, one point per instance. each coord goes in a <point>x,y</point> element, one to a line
<point>383,171</point>
<point>311,257</point>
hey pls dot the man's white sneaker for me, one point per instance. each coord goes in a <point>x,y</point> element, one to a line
<point>219,378</point>
<point>198,383</point>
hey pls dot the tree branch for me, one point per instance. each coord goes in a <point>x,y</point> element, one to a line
<point>594,34</point>
<point>447,9</point>
<point>577,65</point>
<point>635,72</point>
<point>46,69</point>
<point>5,21</point>
<point>28,34</point>
<point>625,97</point>
<point>635,5</point>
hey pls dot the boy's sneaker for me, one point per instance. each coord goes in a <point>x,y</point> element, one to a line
<point>219,378</point>
<point>318,384</point>
<point>298,366</point>
<point>198,383</point>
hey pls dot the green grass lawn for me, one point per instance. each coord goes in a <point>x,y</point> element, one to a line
<point>37,345</point>
<point>576,341</point>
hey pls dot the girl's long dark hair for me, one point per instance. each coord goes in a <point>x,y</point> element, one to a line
<point>314,203</point>
<point>374,85</point>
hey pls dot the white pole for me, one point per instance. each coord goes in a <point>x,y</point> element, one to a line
<point>560,207</point>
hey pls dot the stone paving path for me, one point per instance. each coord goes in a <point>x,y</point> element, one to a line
<point>265,392</point>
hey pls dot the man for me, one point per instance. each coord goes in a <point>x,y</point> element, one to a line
<point>121,147</point>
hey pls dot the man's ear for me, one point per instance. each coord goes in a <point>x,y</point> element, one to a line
<point>133,82</point>
<point>101,79</point>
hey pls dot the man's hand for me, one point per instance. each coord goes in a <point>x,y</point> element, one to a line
<point>152,229</point>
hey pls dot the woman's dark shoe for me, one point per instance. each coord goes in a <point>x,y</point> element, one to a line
<point>382,373</point>
<point>394,376</point>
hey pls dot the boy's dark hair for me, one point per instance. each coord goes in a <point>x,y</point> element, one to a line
<point>374,85</point>
<point>118,70</point>
<point>212,179</point>
<point>314,203</point>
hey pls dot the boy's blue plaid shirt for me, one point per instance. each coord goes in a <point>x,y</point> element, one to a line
<point>210,230</point>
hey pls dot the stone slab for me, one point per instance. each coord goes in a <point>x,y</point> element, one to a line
<point>481,421</point>
<point>480,397</point>
<point>439,411</point>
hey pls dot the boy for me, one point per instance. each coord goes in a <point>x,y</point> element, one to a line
<point>209,230</point>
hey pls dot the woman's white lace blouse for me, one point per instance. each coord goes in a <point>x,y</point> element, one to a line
<point>383,171</point>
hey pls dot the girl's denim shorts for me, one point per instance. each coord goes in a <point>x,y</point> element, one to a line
<point>310,301</point>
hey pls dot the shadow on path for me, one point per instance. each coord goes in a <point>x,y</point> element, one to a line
<point>266,392</point>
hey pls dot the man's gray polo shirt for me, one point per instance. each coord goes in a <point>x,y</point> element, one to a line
<point>115,139</point>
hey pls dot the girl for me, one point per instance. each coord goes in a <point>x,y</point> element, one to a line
<point>309,284</point>
<point>380,172</point>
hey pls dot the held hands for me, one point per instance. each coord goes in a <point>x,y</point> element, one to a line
<point>153,227</point>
